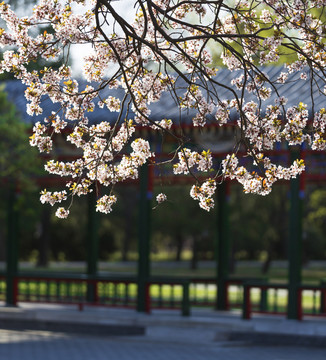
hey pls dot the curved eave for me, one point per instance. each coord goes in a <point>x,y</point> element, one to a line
<point>295,91</point>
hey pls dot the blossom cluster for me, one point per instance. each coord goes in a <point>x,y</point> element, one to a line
<point>259,183</point>
<point>204,194</point>
<point>169,48</point>
<point>161,198</point>
<point>189,159</point>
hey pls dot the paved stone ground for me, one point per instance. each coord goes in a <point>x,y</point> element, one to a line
<point>32,345</point>
<point>169,336</point>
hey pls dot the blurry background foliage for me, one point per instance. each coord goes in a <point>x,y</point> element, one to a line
<point>20,166</point>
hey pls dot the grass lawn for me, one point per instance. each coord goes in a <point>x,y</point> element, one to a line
<point>311,274</point>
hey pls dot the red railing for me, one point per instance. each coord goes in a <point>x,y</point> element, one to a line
<point>253,296</point>
<point>313,305</point>
<point>229,301</point>
<point>262,303</point>
<point>315,309</point>
<point>170,293</point>
<point>75,290</point>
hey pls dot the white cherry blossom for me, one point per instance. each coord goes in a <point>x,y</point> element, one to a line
<point>169,48</point>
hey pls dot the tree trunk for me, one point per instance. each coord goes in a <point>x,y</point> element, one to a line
<point>2,246</point>
<point>179,243</point>
<point>194,259</point>
<point>44,239</point>
<point>267,262</point>
<point>128,227</point>
<point>126,242</point>
<point>233,261</point>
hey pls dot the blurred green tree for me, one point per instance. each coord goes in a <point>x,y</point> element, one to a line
<point>315,225</point>
<point>179,222</point>
<point>19,168</point>
<point>259,234</point>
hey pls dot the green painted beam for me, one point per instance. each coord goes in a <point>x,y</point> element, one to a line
<point>223,244</point>
<point>11,247</point>
<point>295,241</point>
<point>144,233</point>
<point>92,243</point>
